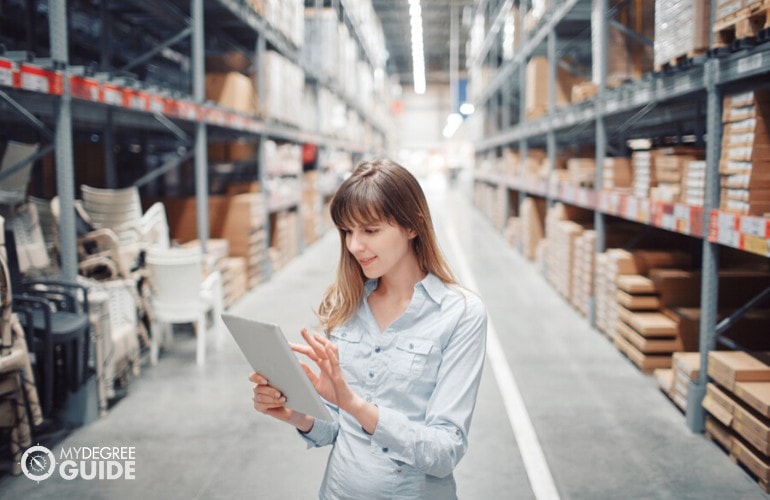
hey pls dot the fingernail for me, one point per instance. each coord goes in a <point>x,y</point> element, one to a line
<point>282,400</point>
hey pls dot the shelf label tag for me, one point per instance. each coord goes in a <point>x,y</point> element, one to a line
<point>750,63</point>
<point>7,69</point>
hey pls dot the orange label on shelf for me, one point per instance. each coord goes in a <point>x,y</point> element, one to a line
<point>755,244</point>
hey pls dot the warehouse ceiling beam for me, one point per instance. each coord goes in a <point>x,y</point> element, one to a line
<point>156,49</point>
<point>166,167</point>
<point>40,126</point>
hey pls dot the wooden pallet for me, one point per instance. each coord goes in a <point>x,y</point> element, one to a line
<point>682,61</point>
<point>744,26</point>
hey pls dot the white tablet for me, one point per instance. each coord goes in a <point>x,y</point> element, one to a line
<point>268,352</point>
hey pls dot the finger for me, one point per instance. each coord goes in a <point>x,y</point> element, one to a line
<point>317,347</point>
<point>332,353</point>
<point>258,378</point>
<point>309,372</point>
<point>303,349</point>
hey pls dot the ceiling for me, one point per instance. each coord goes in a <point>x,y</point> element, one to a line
<point>436,18</point>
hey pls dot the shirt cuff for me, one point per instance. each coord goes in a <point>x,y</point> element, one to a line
<point>392,431</point>
<point>317,434</point>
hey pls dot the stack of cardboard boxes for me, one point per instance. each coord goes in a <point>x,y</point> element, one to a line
<point>644,174</point>
<point>671,172</point>
<point>745,162</point>
<point>244,228</point>
<point>738,405</point>
<point>681,30</point>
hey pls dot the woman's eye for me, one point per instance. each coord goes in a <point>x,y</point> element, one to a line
<point>371,230</point>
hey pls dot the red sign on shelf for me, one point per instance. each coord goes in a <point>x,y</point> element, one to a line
<point>37,79</point>
<point>135,99</point>
<point>112,95</point>
<point>84,88</point>
<point>156,103</point>
<point>9,72</point>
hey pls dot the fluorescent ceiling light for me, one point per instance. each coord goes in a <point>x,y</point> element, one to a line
<point>453,122</point>
<point>418,50</point>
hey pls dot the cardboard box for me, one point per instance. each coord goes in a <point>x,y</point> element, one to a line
<point>756,395</point>
<point>719,404</point>
<point>719,433</point>
<point>757,464</point>
<point>728,367</point>
<point>637,302</point>
<point>232,90</point>
<point>636,284</point>
<point>752,428</point>
<point>652,324</point>
<point>646,345</point>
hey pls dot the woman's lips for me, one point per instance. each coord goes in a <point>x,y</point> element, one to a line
<point>366,262</point>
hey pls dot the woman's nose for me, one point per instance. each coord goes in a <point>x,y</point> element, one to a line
<point>354,243</point>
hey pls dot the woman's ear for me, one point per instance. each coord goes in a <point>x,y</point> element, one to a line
<point>411,233</point>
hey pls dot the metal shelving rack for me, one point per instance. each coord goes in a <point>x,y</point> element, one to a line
<point>51,91</point>
<point>641,107</point>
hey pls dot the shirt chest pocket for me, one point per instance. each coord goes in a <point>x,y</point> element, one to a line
<point>346,340</point>
<point>410,356</point>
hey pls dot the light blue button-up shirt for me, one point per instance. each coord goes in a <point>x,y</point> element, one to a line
<point>423,373</point>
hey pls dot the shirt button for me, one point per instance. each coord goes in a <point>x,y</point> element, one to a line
<point>384,450</point>
<point>344,335</point>
<point>377,349</point>
<point>371,375</point>
<point>411,346</point>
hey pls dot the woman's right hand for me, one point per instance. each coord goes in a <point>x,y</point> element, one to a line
<point>269,400</point>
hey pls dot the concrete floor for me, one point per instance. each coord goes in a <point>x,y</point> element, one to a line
<point>606,431</point>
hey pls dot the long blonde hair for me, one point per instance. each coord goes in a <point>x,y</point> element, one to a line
<point>378,190</point>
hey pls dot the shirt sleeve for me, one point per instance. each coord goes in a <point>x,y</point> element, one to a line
<point>436,445</point>
<point>323,432</point>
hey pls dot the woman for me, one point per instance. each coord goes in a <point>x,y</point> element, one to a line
<point>403,361</point>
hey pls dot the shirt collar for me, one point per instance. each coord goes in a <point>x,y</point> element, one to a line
<point>431,284</point>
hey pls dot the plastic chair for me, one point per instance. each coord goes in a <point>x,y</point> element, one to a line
<point>13,188</point>
<point>17,381</point>
<point>181,295</point>
<point>31,250</point>
<point>112,208</point>
<point>54,314</point>
<point>117,330</point>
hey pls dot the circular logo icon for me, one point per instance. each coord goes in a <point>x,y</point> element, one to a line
<point>38,463</point>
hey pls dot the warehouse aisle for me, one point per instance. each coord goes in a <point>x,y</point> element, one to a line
<point>605,430</point>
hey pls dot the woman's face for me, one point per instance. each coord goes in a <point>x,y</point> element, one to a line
<point>380,247</point>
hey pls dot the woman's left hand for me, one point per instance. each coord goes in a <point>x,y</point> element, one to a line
<point>330,382</point>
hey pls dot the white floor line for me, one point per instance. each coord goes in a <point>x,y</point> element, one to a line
<point>535,464</point>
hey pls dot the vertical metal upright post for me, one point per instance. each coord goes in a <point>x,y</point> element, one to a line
<point>551,134</point>
<point>259,61</point>
<point>201,136</point>
<point>599,27</point>
<point>65,172</point>
<point>108,138</point>
<point>709,298</point>
<point>522,69</point>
